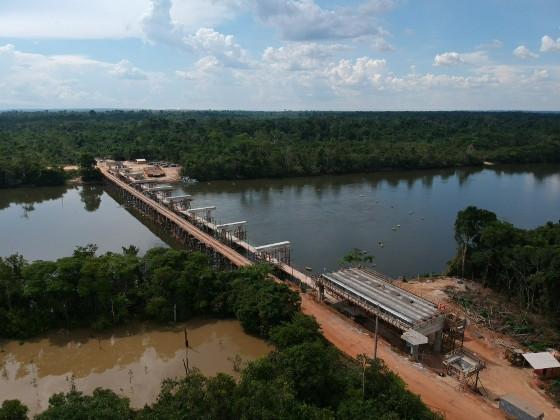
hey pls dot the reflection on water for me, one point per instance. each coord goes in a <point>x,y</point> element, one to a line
<point>91,196</point>
<point>412,213</point>
<point>131,360</point>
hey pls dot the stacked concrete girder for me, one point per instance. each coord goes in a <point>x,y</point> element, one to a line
<point>396,306</point>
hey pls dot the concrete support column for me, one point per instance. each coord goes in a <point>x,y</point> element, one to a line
<point>437,341</point>
<point>414,351</point>
<point>321,293</point>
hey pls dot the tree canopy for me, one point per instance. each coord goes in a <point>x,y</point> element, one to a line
<point>231,144</point>
<point>523,264</point>
<point>305,377</point>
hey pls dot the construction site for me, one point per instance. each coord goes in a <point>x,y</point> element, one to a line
<point>417,321</point>
<point>415,325</point>
<point>472,361</point>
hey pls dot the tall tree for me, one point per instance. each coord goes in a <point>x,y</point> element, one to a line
<point>468,228</point>
<point>88,168</point>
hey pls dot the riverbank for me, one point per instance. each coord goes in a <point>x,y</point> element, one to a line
<point>172,174</point>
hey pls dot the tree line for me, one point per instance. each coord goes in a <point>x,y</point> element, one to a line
<point>230,145</point>
<point>522,264</point>
<point>304,377</point>
<point>168,286</point>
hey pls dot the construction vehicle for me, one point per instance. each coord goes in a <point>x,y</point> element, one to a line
<point>515,357</point>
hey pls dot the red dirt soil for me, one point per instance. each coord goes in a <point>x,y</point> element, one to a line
<point>441,394</point>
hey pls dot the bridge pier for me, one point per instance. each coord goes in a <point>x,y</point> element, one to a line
<point>321,292</point>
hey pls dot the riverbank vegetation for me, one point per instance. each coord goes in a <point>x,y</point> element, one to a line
<point>522,265</point>
<point>305,377</point>
<point>85,290</point>
<point>231,144</point>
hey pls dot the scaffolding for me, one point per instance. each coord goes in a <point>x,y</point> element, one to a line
<point>278,252</point>
<point>228,231</point>
<point>204,213</point>
<point>454,331</point>
<point>179,202</point>
<point>465,366</point>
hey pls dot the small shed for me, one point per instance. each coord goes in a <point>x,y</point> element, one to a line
<point>141,161</point>
<point>519,409</point>
<point>544,364</point>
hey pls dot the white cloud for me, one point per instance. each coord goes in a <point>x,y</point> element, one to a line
<point>451,59</point>
<point>300,56</point>
<point>209,42</point>
<point>477,58</point>
<point>66,81</point>
<point>492,45</point>
<point>108,19</point>
<point>304,20</point>
<point>365,71</point>
<point>549,45</point>
<point>126,70</point>
<point>448,59</point>
<point>540,75</point>
<point>159,27</point>
<point>203,69</point>
<point>70,19</point>
<point>523,52</point>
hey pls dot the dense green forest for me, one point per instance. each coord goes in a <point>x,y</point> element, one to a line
<point>85,290</point>
<point>305,377</point>
<point>230,144</point>
<point>523,265</point>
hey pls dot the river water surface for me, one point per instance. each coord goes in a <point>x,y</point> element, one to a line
<point>405,219</point>
<point>130,360</point>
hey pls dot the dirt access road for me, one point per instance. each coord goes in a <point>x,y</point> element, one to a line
<point>441,394</point>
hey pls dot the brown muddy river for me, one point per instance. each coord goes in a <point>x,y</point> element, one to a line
<point>130,360</point>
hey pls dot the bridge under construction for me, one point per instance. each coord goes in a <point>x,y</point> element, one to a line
<point>371,292</point>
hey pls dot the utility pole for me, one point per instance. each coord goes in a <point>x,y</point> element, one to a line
<point>376,327</point>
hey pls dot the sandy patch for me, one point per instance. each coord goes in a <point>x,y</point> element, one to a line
<point>172,174</point>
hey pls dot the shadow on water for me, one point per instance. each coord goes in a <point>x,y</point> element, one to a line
<point>374,179</point>
<point>152,226</point>
<point>30,196</point>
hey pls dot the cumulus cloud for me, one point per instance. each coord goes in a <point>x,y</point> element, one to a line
<point>448,59</point>
<point>300,56</point>
<point>363,71</point>
<point>203,68</point>
<point>523,52</point>
<point>209,42</point>
<point>159,27</point>
<point>451,59</point>
<point>304,20</point>
<point>126,70</point>
<point>550,45</point>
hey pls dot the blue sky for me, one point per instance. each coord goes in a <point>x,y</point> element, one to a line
<point>281,54</point>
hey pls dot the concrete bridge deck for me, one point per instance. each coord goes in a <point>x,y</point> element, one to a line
<point>233,256</point>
